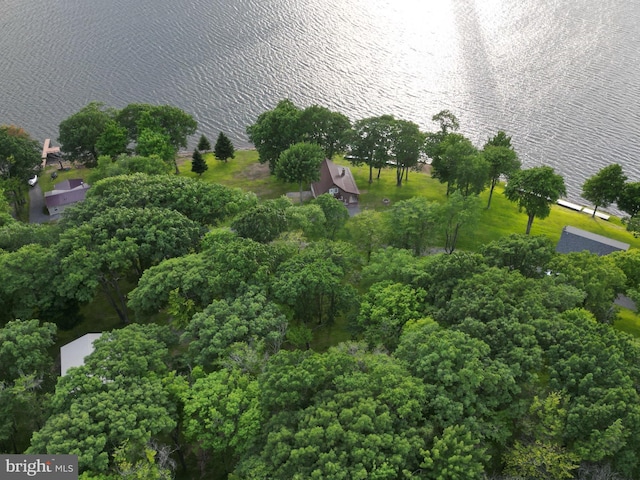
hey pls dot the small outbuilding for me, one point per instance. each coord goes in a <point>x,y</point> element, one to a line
<point>337,181</point>
<point>576,240</point>
<point>73,353</point>
<point>64,194</point>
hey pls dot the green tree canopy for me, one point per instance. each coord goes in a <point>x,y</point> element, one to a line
<point>121,394</point>
<point>342,414</point>
<point>222,414</point>
<point>312,284</point>
<point>168,120</point>
<point>224,149</point>
<point>371,142</point>
<point>367,231</point>
<point>274,131</point>
<point>300,163</point>
<point>465,386</point>
<point>119,243</point>
<point>598,277</point>
<point>408,143</point>
<point>385,309</point>
<point>206,203</point>
<point>326,128</point>
<point>529,254</point>
<point>412,223</point>
<point>80,133</point>
<point>335,214</point>
<point>113,141</point>
<point>502,159</point>
<point>19,160</point>
<point>23,349</point>
<point>535,190</point>
<point>249,318</point>
<point>629,199</point>
<point>604,188</point>
<point>263,222</point>
<point>458,212</point>
<point>127,165</point>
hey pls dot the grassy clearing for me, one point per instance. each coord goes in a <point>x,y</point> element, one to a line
<point>47,183</point>
<point>628,321</point>
<point>243,172</point>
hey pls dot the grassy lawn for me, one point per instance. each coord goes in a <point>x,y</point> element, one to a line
<point>628,321</point>
<point>47,183</point>
<point>243,172</point>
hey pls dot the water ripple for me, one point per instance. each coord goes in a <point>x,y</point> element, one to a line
<point>560,77</point>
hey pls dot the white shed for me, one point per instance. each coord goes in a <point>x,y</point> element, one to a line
<point>73,353</point>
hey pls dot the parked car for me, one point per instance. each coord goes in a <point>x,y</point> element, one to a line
<point>32,181</point>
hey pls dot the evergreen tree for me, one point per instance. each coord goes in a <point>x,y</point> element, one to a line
<point>224,148</point>
<point>198,165</point>
<point>203,144</point>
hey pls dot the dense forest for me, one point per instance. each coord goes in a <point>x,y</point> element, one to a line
<point>440,363</point>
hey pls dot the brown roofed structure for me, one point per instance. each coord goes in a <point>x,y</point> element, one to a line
<point>338,181</point>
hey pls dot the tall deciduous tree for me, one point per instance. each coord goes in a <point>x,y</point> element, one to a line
<point>457,212</point>
<point>454,162</point>
<point>206,203</point>
<point>335,214</point>
<point>598,277</point>
<point>198,165</point>
<point>384,311</point>
<point>119,243</point>
<point>408,143</point>
<point>166,119</point>
<point>113,141</point>
<point>152,143</point>
<point>629,199</point>
<point>121,394</point>
<point>263,222</point>
<point>535,190</point>
<point>371,142</point>
<point>19,159</point>
<point>434,146</point>
<point>79,134</point>
<point>274,131</point>
<point>312,284</point>
<point>604,188</point>
<point>326,128</point>
<point>223,414</point>
<point>126,165</point>
<point>502,159</point>
<point>529,254</point>
<point>300,163</point>
<point>342,414</point>
<point>412,223</point>
<point>250,318</point>
<point>224,149</point>
<point>367,231</point>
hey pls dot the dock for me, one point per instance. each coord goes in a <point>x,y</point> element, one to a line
<point>580,208</point>
<point>47,149</point>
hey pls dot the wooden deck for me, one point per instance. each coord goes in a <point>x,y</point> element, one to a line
<point>46,150</point>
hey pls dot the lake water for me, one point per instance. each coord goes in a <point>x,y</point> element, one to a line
<point>561,77</point>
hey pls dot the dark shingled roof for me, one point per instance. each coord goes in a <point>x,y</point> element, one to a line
<point>66,193</point>
<point>332,174</point>
<point>576,240</point>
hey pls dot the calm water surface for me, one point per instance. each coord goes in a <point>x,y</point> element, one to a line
<point>561,77</point>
